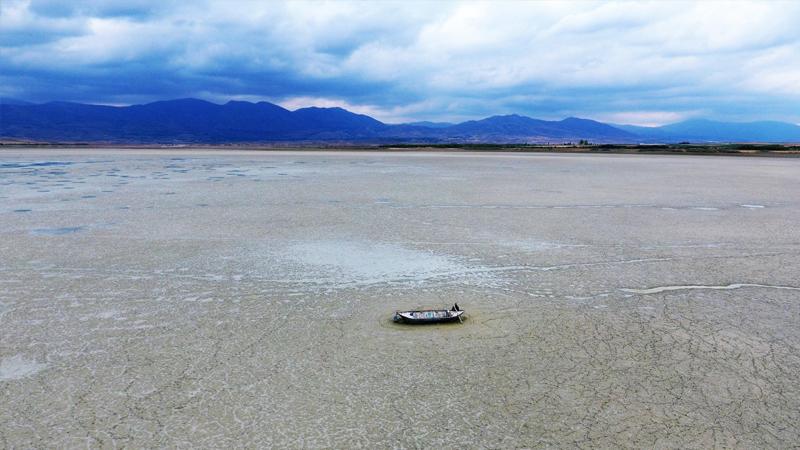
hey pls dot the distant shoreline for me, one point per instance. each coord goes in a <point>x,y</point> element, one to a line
<point>752,150</point>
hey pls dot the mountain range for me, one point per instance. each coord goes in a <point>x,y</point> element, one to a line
<point>199,121</point>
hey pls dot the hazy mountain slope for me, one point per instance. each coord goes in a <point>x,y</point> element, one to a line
<point>701,130</point>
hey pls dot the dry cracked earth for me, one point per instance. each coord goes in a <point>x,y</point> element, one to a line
<point>197,298</point>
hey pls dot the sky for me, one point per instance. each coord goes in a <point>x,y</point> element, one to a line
<point>643,63</point>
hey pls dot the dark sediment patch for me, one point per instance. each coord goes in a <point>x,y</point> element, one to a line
<point>58,231</point>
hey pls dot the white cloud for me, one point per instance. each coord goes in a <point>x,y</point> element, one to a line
<point>647,118</point>
<point>407,59</point>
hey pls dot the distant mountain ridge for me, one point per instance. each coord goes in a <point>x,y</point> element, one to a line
<point>702,130</point>
<point>198,121</point>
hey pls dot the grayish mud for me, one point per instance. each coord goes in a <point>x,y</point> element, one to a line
<point>244,299</point>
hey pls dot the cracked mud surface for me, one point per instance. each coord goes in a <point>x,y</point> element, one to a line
<point>243,299</point>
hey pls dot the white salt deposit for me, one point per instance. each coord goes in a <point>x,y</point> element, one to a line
<point>367,261</point>
<point>18,366</point>
<point>660,289</point>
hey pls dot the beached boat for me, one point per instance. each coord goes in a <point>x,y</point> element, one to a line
<point>429,315</point>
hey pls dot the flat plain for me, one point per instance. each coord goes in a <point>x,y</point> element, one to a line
<point>201,298</point>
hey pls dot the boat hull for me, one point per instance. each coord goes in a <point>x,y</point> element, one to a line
<point>427,317</point>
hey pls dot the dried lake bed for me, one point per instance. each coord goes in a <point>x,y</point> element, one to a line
<point>243,299</point>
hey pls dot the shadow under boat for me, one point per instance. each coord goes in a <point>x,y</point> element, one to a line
<point>429,316</point>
